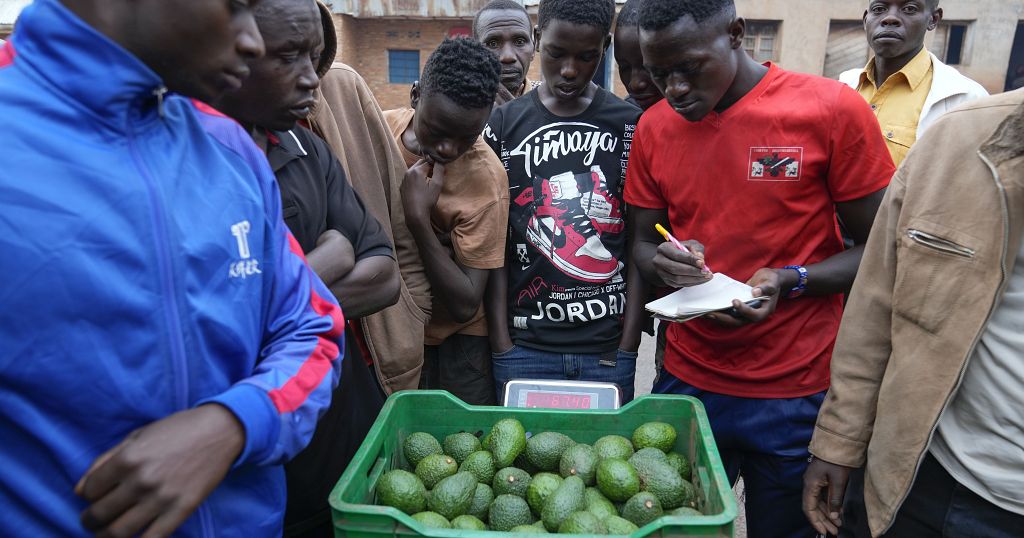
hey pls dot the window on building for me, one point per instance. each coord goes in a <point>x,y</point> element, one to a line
<point>950,42</point>
<point>846,49</point>
<point>403,66</point>
<point>761,41</point>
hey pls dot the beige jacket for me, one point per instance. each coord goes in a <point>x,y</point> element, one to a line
<point>933,271</point>
<point>348,117</point>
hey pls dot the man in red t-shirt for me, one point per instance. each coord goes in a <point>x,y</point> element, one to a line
<point>752,163</point>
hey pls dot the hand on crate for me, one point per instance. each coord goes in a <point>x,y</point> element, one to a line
<point>151,482</point>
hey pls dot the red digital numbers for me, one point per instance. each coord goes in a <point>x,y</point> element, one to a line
<point>557,400</point>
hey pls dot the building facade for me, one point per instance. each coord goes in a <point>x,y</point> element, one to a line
<point>388,41</point>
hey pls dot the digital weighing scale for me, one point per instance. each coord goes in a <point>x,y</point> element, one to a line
<point>561,394</point>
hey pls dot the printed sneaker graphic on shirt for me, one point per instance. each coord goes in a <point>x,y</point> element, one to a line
<point>775,164</point>
<point>566,222</point>
<point>601,206</point>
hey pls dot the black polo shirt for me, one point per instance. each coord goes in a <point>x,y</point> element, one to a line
<point>316,196</point>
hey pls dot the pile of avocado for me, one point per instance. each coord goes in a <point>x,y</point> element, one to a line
<point>547,483</point>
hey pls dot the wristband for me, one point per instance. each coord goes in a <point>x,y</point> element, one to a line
<point>801,285</point>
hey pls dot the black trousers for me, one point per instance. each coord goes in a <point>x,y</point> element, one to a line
<point>312,474</point>
<point>461,365</point>
<point>937,506</point>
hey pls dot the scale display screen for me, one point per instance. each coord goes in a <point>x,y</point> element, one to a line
<point>529,393</point>
<point>557,400</point>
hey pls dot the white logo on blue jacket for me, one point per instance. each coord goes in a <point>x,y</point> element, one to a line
<point>246,266</point>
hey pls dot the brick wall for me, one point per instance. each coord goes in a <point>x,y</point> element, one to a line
<point>363,43</point>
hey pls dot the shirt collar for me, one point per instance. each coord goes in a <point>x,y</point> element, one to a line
<point>914,72</point>
<point>283,147</point>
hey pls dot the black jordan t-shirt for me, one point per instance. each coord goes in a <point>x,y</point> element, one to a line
<point>566,248</point>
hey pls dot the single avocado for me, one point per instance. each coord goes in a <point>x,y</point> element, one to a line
<point>642,509</point>
<point>686,511</point>
<point>508,440</point>
<point>511,481</point>
<point>402,490</point>
<point>619,525</point>
<point>469,523</point>
<point>568,498</point>
<point>529,529</point>
<point>648,453</point>
<point>661,479</point>
<point>541,487</point>
<point>481,464</point>
<point>434,468</point>
<point>432,520</point>
<point>522,463</point>
<point>599,505</point>
<point>453,496</point>
<point>580,460</point>
<point>680,463</point>
<point>656,435</point>
<point>418,446</point>
<point>592,494</point>
<point>545,449</point>
<point>482,499</point>
<point>613,446</point>
<point>617,479</point>
<point>582,523</point>
<point>460,446</point>
<point>509,511</point>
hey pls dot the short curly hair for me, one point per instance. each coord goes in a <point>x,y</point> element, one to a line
<point>499,5</point>
<point>659,14</point>
<point>629,14</point>
<point>464,71</point>
<point>596,13</point>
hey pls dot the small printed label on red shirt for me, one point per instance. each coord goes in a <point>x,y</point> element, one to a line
<point>775,164</point>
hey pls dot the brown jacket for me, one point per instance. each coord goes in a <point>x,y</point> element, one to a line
<point>933,271</point>
<point>348,117</point>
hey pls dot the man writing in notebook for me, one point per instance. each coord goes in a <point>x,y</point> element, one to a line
<point>751,164</point>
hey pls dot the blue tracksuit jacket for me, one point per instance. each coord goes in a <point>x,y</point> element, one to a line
<point>144,269</point>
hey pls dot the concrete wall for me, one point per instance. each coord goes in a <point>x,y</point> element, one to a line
<point>407,8</point>
<point>805,23</point>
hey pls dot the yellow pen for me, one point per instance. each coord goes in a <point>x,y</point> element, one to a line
<point>668,237</point>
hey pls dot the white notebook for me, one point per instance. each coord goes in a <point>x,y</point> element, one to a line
<point>714,295</point>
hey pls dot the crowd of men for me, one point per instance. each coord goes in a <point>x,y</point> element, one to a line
<point>220,255</point>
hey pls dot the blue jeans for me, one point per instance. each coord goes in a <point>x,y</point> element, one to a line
<point>523,362</point>
<point>765,441</point>
<point>939,506</point>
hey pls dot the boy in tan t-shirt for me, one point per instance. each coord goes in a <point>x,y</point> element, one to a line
<point>455,200</point>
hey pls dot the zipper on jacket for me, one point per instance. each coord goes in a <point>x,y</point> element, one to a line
<point>977,338</point>
<point>937,243</point>
<point>170,294</point>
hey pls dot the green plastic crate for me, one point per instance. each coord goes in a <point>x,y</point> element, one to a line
<point>439,413</point>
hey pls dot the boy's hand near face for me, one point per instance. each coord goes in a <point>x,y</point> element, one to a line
<point>421,189</point>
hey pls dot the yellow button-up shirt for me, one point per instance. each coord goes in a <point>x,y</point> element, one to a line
<point>898,101</point>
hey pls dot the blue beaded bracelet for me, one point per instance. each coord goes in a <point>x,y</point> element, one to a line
<point>801,285</point>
